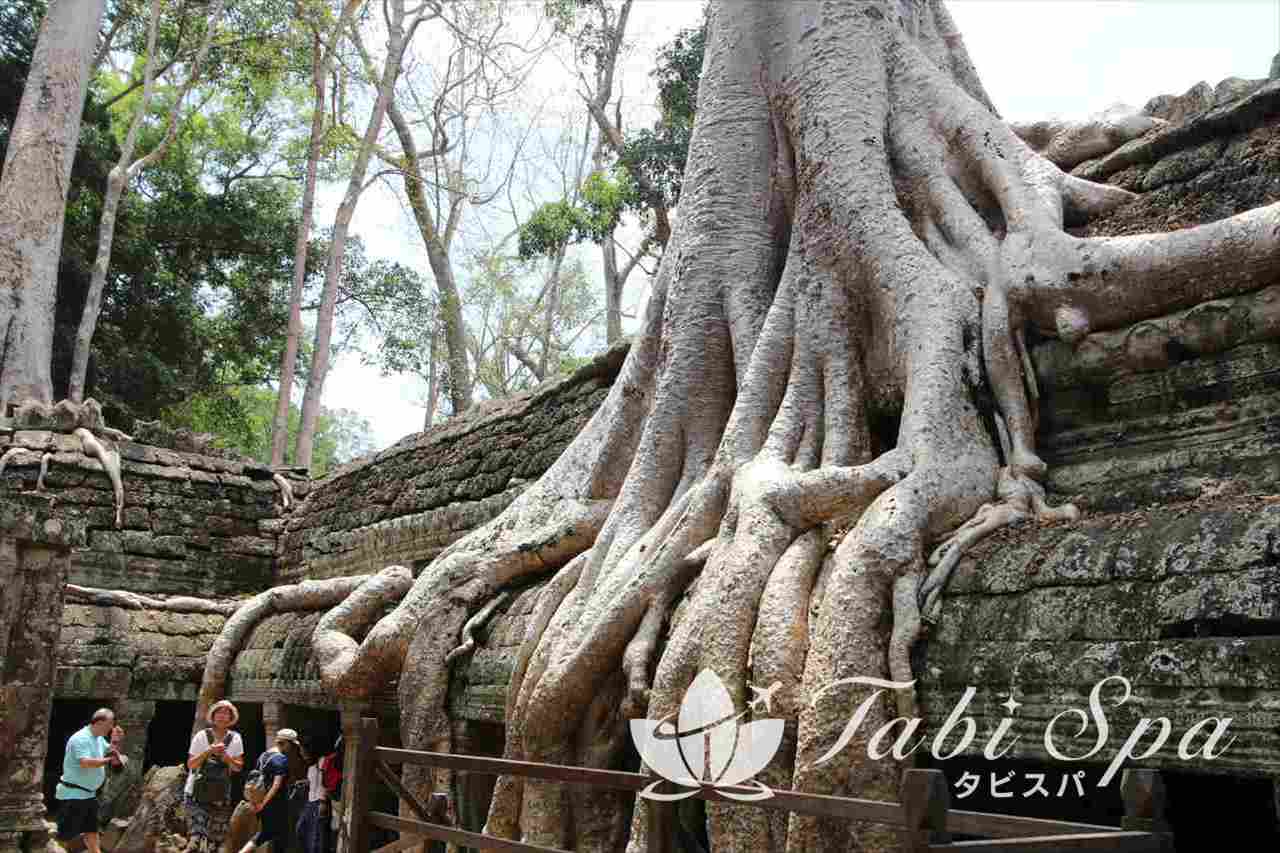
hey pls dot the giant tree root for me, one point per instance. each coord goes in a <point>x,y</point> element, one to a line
<point>862,244</point>
<point>133,601</point>
<point>1021,498</point>
<point>1067,143</point>
<point>110,459</point>
<point>307,595</point>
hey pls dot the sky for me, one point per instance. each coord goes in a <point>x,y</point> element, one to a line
<point>1037,58</point>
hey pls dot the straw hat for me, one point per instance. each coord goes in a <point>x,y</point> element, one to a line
<point>217,706</point>
<point>289,735</point>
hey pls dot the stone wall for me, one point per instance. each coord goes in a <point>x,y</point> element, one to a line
<point>408,502</point>
<point>113,653</point>
<point>1182,599</point>
<point>191,523</point>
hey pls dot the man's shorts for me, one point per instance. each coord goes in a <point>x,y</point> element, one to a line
<point>76,817</point>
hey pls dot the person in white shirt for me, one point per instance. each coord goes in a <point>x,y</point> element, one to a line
<point>216,753</point>
<point>313,825</point>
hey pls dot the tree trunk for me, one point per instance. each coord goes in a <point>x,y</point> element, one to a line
<point>613,284</point>
<point>125,170</point>
<point>548,359</point>
<point>434,240</point>
<point>430,419</point>
<point>289,361</point>
<point>860,236</point>
<point>33,194</point>
<point>397,39</point>
<point>455,333</point>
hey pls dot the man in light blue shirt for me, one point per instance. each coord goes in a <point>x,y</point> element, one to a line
<point>88,755</point>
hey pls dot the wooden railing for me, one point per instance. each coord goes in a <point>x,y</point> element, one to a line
<point>925,815</point>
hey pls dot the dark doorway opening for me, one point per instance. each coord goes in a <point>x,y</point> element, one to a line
<point>68,717</point>
<point>1201,804</point>
<point>317,727</point>
<point>169,734</point>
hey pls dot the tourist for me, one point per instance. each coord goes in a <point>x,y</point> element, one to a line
<point>216,752</point>
<point>331,778</point>
<point>278,765</point>
<point>84,772</point>
<point>313,825</point>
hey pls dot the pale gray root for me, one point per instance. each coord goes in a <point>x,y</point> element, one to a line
<point>305,596</point>
<point>503,819</point>
<point>448,591</point>
<point>44,470</point>
<point>460,575</point>
<point>474,624</point>
<point>1068,143</point>
<point>332,641</point>
<point>133,601</point>
<point>111,432</point>
<point>110,459</point>
<point>286,490</point>
<point>1021,498</point>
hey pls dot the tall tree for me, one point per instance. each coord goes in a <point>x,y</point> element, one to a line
<point>862,241</point>
<point>33,194</point>
<point>126,170</point>
<point>401,26</point>
<point>324,50</point>
<point>452,169</point>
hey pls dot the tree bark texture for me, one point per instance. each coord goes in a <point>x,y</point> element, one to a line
<point>33,194</point>
<point>862,241</point>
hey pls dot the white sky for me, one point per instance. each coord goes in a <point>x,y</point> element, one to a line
<point>1037,58</point>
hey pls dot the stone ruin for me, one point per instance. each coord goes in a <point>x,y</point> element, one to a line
<point>122,557</point>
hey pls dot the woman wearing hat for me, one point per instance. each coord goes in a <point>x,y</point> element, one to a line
<point>216,752</point>
<point>279,765</point>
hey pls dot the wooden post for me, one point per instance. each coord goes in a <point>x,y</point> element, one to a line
<point>661,823</point>
<point>925,800</point>
<point>1144,804</point>
<point>358,773</point>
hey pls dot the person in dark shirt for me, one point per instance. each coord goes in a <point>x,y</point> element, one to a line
<point>273,811</point>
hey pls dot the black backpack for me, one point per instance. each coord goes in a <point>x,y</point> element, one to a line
<point>213,779</point>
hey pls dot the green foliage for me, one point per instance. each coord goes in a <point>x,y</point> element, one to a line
<point>659,154</point>
<point>195,301</point>
<point>602,198</point>
<point>241,418</point>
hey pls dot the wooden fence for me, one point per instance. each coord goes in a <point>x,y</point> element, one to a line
<point>925,814</point>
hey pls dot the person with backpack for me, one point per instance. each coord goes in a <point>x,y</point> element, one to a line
<point>267,790</point>
<point>216,752</point>
<point>84,771</point>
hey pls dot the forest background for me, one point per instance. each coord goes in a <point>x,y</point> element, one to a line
<point>547,140</point>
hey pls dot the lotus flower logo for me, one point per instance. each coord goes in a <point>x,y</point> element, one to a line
<point>707,746</point>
